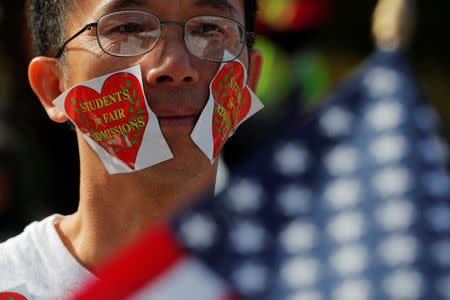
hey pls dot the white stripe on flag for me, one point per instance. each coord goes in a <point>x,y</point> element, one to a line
<point>188,280</point>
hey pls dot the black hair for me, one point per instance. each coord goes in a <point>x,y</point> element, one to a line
<point>47,19</point>
<point>250,8</point>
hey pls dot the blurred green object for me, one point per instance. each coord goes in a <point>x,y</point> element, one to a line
<point>311,72</point>
<point>281,73</point>
<point>276,80</point>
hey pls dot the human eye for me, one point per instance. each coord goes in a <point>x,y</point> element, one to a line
<point>205,28</point>
<point>127,28</point>
<point>129,24</point>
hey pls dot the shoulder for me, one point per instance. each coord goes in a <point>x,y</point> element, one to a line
<point>37,261</point>
<point>19,255</point>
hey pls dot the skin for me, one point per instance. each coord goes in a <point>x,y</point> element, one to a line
<point>115,208</point>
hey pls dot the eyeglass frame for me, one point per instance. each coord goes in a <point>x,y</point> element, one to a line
<point>249,36</point>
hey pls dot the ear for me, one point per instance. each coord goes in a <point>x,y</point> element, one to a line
<point>256,61</point>
<point>45,77</point>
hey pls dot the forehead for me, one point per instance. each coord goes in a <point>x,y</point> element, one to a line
<point>215,4</point>
<point>91,10</point>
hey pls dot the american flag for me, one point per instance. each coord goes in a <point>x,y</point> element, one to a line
<point>353,205</point>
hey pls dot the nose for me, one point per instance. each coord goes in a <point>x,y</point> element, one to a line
<point>169,63</point>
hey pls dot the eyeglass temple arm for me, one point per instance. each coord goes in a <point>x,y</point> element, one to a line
<point>87,27</point>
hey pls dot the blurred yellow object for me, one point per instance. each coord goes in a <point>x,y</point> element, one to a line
<point>393,23</point>
<point>277,13</point>
<point>292,15</point>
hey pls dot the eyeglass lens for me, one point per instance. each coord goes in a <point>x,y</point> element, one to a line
<point>132,33</point>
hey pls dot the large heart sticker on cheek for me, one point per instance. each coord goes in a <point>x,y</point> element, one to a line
<point>112,114</point>
<point>230,103</point>
<point>115,118</point>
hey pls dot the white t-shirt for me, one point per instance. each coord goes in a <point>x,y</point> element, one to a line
<point>37,265</point>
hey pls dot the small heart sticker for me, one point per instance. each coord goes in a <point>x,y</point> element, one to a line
<point>230,103</point>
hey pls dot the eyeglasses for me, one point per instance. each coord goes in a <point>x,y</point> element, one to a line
<point>131,33</point>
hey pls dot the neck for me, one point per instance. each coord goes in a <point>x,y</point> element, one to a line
<point>114,209</point>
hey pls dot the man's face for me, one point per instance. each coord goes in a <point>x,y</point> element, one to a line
<point>175,82</point>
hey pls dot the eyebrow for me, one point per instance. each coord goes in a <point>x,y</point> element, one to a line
<point>217,4</point>
<point>114,5</point>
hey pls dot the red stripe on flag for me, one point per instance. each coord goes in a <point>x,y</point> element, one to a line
<point>142,262</point>
<point>231,297</point>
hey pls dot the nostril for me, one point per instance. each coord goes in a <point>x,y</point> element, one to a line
<point>163,78</point>
<point>170,79</point>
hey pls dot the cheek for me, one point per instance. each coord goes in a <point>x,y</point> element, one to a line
<point>94,65</point>
<point>244,57</point>
<point>212,73</point>
<point>207,72</point>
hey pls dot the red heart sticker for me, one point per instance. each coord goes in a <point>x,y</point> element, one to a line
<point>11,296</point>
<point>115,119</point>
<point>231,103</point>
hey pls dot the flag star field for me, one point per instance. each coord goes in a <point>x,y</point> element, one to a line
<point>354,204</point>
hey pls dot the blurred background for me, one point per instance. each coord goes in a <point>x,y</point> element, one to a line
<point>309,46</point>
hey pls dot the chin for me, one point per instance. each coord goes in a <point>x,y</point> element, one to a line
<point>188,162</point>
